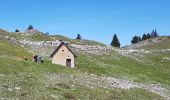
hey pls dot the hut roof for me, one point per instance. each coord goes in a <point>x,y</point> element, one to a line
<point>61,44</point>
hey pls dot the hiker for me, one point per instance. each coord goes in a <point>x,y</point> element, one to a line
<point>40,59</point>
<point>35,58</point>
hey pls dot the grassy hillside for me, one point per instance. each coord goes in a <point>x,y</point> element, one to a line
<point>152,44</point>
<point>162,44</point>
<point>42,37</point>
<point>106,76</point>
<point>86,42</point>
<point>8,50</point>
<point>26,79</point>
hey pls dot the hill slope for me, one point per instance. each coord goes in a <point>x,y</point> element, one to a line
<point>102,72</point>
<point>152,44</point>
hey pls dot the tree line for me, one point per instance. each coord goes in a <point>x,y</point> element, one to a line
<point>137,39</point>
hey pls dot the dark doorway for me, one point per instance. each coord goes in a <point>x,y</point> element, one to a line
<point>68,62</point>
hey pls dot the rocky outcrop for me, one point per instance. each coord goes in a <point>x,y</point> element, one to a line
<point>32,31</point>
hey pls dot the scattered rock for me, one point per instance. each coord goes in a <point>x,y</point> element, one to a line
<point>166,58</point>
<point>31,32</point>
<point>93,81</point>
<point>17,88</point>
<point>9,89</point>
<point>54,96</point>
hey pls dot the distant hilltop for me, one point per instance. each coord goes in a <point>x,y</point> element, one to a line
<point>32,31</point>
<point>29,31</point>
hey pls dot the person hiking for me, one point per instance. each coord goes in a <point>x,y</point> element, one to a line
<point>40,59</point>
<point>35,58</point>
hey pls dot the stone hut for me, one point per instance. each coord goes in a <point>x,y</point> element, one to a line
<point>63,55</point>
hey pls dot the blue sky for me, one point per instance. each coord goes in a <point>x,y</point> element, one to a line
<point>93,19</point>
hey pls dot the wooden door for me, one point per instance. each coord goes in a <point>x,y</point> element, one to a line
<point>68,62</point>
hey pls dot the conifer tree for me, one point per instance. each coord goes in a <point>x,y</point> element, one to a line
<point>135,39</point>
<point>115,42</point>
<point>30,27</point>
<point>17,30</point>
<point>78,37</point>
<point>154,33</point>
<point>144,37</point>
<point>139,39</point>
<point>148,36</point>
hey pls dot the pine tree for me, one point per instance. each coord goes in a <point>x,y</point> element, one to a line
<point>17,30</point>
<point>78,37</point>
<point>154,33</point>
<point>148,36</point>
<point>30,27</point>
<point>115,42</point>
<point>135,39</point>
<point>139,39</point>
<point>144,37</point>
